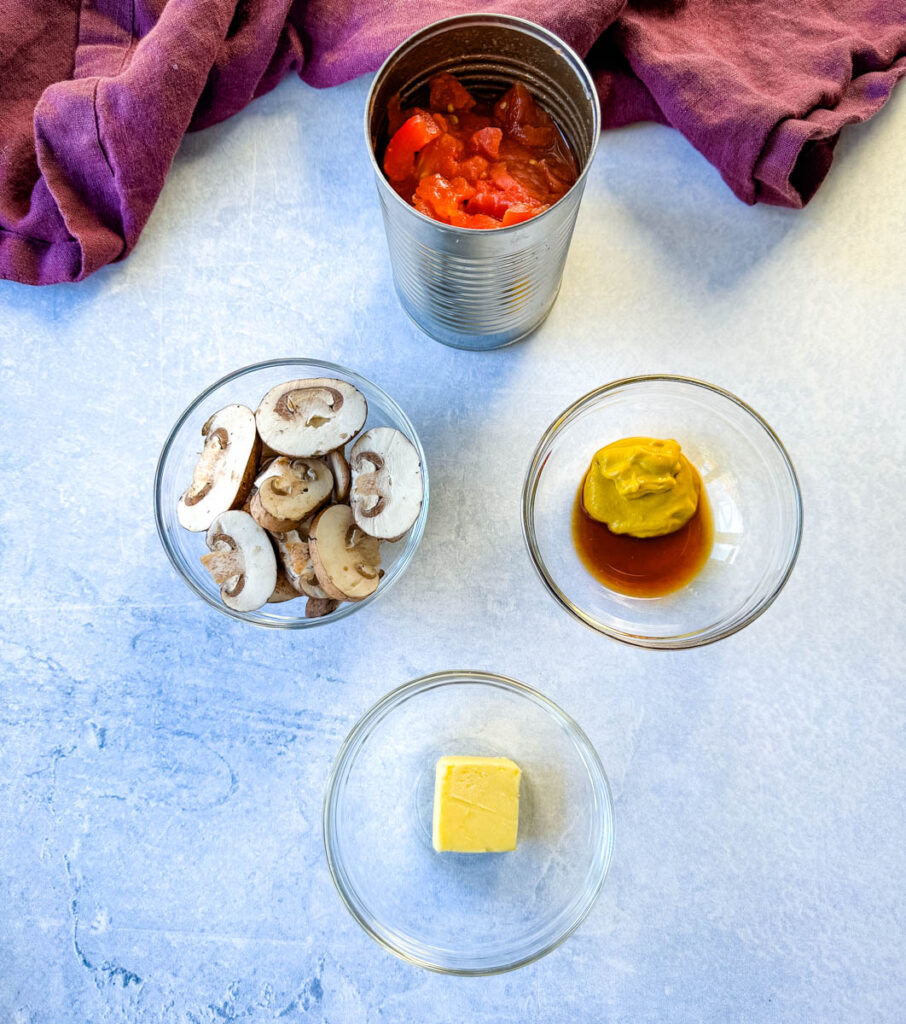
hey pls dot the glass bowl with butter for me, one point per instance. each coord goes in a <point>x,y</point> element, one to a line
<point>749,511</point>
<point>468,823</point>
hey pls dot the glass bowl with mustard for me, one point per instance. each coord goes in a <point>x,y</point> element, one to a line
<point>662,511</point>
<point>468,823</point>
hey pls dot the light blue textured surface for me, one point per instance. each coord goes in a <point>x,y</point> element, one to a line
<point>162,766</point>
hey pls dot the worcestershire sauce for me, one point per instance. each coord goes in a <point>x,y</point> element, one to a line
<point>643,566</point>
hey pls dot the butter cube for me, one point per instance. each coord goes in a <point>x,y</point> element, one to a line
<point>476,804</point>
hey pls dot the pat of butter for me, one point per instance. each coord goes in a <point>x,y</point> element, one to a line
<point>476,804</point>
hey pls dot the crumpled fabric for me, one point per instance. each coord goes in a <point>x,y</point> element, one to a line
<point>95,95</point>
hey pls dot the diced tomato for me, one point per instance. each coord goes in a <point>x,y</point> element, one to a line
<point>538,136</point>
<point>474,166</point>
<point>441,156</point>
<point>499,173</point>
<point>422,206</point>
<point>519,212</point>
<point>447,94</point>
<point>488,200</point>
<point>478,220</point>
<point>558,183</point>
<point>487,142</point>
<point>444,198</point>
<point>469,122</point>
<point>527,182</point>
<point>415,134</point>
<point>516,105</point>
<point>523,120</point>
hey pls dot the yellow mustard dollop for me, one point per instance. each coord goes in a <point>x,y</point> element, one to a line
<point>642,486</point>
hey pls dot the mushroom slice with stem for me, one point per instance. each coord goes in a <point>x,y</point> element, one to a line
<point>310,417</point>
<point>283,590</point>
<point>387,484</point>
<point>225,469</point>
<point>303,528</point>
<point>336,460</point>
<point>318,607</point>
<point>266,468</point>
<point>241,561</point>
<point>288,491</point>
<point>296,559</point>
<point>346,560</point>
<point>266,457</point>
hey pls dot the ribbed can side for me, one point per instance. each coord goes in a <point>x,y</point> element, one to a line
<point>473,299</point>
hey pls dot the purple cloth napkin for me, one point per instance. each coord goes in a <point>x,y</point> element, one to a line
<point>760,87</point>
<point>95,95</point>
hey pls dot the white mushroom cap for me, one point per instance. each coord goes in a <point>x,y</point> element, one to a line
<point>225,469</point>
<point>387,484</point>
<point>311,417</point>
<point>241,560</point>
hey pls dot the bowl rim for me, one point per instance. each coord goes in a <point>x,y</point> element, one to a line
<point>360,732</point>
<point>413,538</point>
<point>490,18</point>
<point>683,641</point>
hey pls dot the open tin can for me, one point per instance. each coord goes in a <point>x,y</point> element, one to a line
<point>483,288</point>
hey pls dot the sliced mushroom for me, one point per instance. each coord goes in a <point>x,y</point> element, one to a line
<point>346,560</point>
<point>387,484</point>
<point>267,456</point>
<point>269,467</point>
<point>303,528</point>
<point>266,468</point>
<point>296,560</point>
<point>310,417</point>
<point>288,491</point>
<point>241,560</point>
<point>283,591</point>
<point>336,460</point>
<point>318,607</point>
<point>225,468</point>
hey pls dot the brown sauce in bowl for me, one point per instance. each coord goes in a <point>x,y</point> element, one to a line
<point>643,566</point>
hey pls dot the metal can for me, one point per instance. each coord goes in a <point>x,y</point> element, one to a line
<point>466,287</point>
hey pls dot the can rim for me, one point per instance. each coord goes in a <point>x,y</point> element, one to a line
<point>510,20</point>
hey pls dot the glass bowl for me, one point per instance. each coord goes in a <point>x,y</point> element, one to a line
<point>467,913</point>
<point>180,452</point>
<point>752,489</point>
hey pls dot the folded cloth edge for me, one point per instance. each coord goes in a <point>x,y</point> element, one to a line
<point>799,151</point>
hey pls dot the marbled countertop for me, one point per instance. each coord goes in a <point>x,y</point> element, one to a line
<point>162,766</point>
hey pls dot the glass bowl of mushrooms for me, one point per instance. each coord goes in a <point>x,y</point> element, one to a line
<point>290,493</point>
